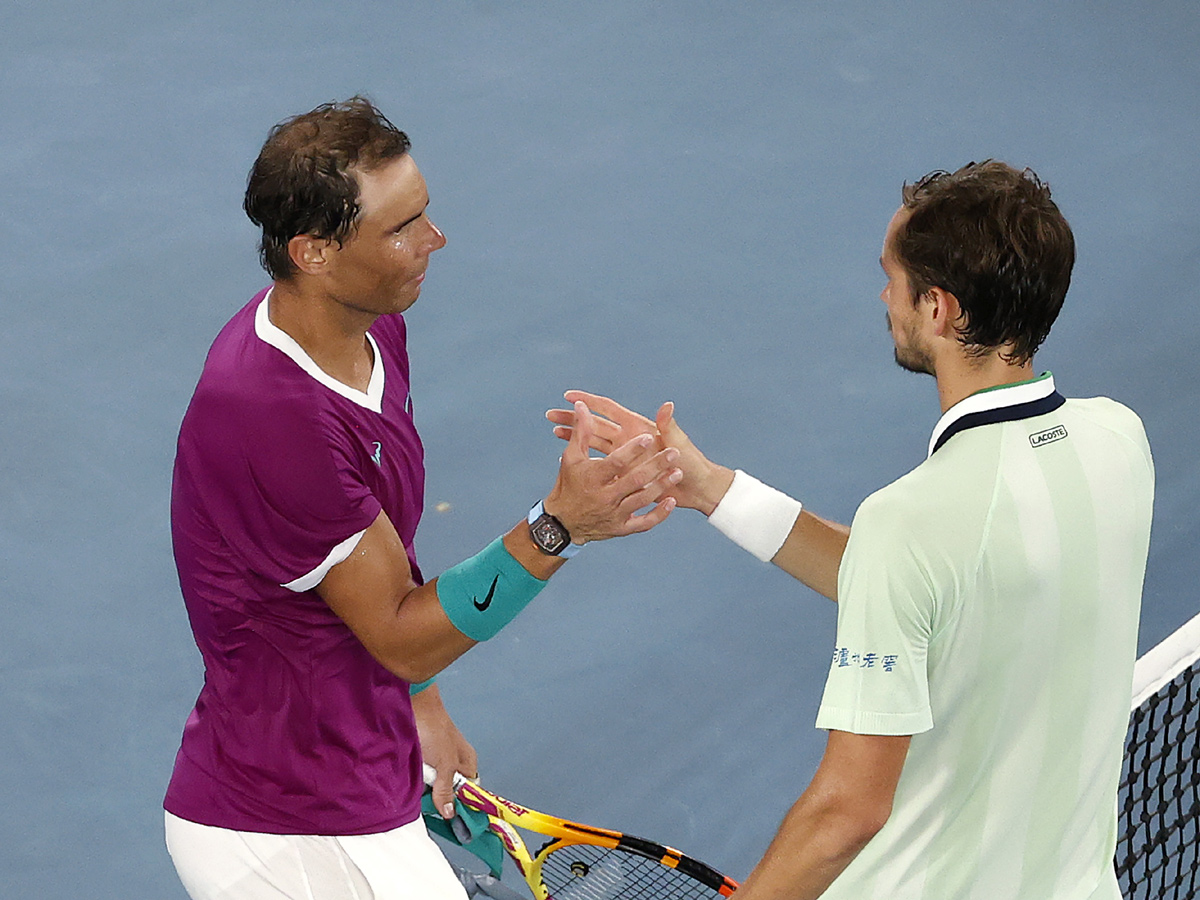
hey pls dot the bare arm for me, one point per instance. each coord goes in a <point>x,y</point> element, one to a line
<point>442,746</point>
<point>813,550</point>
<point>846,804</point>
<point>404,626</point>
<point>813,553</point>
<point>400,623</point>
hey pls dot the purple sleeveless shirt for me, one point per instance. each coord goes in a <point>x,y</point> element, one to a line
<point>278,471</point>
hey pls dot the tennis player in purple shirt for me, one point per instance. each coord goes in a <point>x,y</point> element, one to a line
<point>298,487</point>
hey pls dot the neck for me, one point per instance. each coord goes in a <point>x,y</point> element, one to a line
<point>333,336</point>
<point>960,376</point>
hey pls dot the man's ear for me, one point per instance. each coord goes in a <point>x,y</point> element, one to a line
<point>309,254</point>
<point>944,311</point>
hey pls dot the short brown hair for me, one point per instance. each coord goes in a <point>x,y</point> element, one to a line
<point>303,181</point>
<point>990,235</point>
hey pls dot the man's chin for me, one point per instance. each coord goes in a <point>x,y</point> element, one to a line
<point>405,301</point>
<point>918,366</point>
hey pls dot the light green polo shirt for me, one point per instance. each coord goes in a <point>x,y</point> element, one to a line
<point>988,605</point>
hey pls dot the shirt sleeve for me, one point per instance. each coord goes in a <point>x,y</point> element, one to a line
<point>878,680</point>
<point>281,486</point>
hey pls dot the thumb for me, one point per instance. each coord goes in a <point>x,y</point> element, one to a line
<point>443,792</point>
<point>665,422</point>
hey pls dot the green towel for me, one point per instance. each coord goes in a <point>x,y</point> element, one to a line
<point>468,828</point>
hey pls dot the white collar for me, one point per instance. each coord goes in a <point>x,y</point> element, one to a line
<point>271,334</point>
<point>997,404</point>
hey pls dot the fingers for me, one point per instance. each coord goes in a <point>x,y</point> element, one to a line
<point>605,433</point>
<point>651,494</point>
<point>634,452</point>
<point>581,433</point>
<point>602,425</point>
<point>599,498</point>
<point>646,483</point>
<point>610,408</point>
<point>656,516</point>
<point>469,762</point>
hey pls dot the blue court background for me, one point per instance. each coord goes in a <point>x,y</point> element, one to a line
<point>659,201</point>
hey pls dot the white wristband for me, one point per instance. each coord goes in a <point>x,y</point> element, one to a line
<point>755,516</point>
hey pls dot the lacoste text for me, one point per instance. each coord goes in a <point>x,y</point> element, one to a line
<point>1049,436</point>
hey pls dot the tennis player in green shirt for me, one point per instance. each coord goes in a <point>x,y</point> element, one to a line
<point>978,690</point>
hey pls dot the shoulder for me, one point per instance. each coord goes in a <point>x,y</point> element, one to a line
<point>888,527</point>
<point>892,556</point>
<point>905,505</point>
<point>249,389</point>
<point>1112,423</point>
<point>1109,413</point>
<point>933,518</point>
<point>888,509</point>
<point>235,361</point>
<point>280,447</point>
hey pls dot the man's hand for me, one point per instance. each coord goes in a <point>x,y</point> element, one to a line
<point>703,482</point>
<point>813,550</point>
<point>596,499</point>
<point>443,747</point>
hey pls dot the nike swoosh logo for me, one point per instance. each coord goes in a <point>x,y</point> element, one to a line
<point>487,601</point>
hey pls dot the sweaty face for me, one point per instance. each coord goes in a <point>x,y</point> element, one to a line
<point>903,319</point>
<point>379,268</point>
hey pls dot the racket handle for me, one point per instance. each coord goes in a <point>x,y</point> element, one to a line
<point>431,774</point>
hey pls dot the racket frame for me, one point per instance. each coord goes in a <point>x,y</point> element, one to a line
<point>505,817</point>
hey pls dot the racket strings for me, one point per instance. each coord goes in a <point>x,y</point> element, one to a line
<point>585,872</point>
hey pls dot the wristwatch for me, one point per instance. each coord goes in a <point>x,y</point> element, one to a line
<point>551,537</point>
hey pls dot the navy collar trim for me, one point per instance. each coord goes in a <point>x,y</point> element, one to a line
<point>1003,404</point>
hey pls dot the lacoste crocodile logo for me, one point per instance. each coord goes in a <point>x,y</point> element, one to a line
<point>487,601</point>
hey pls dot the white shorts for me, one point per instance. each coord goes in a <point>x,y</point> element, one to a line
<point>221,864</point>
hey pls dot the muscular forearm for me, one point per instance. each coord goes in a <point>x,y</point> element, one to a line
<point>813,553</point>
<point>416,632</point>
<point>401,624</point>
<point>421,640</point>
<point>815,843</point>
<point>848,801</point>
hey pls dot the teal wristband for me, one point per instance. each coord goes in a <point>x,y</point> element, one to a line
<point>484,593</point>
<point>414,689</point>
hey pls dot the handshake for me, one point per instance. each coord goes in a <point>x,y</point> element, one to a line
<point>644,462</point>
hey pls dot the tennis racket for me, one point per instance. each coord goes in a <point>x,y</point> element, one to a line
<point>579,862</point>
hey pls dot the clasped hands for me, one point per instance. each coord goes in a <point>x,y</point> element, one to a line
<point>654,453</point>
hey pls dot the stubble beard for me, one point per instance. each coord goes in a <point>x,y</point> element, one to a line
<point>912,358</point>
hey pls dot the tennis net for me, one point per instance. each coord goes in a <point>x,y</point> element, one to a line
<point>1159,799</point>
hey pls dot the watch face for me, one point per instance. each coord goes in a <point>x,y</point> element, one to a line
<point>549,535</point>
